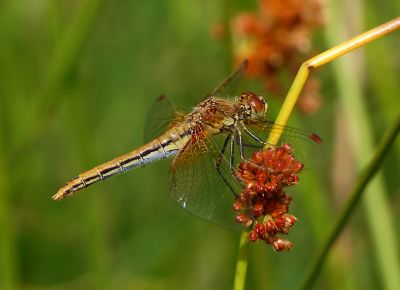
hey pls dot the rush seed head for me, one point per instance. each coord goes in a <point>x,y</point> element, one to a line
<point>263,204</point>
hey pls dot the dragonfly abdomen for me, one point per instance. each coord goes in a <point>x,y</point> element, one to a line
<point>164,146</point>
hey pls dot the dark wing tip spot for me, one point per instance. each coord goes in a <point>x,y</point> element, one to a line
<point>161,97</point>
<point>316,138</point>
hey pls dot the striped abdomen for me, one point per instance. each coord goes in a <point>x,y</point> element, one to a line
<point>164,146</point>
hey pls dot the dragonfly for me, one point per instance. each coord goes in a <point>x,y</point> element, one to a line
<point>206,144</point>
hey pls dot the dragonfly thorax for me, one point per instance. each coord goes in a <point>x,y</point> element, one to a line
<point>211,114</point>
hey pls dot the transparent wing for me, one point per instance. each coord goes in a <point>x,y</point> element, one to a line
<point>158,118</point>
<point>229,86</point>
<point>163,112</point>
<point>307,147</point>
<point>202,178</point>
<point>202,189</point>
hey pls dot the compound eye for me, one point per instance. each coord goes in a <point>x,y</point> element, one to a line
<point>258,104</point>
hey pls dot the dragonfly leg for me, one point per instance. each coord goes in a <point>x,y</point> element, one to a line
<point>242,145</point>
<point>252,135</point>
<point>219,159</point>
<point>232,161</point>
<point>231,153</point>
<point>252,145</point>
<point>218,163</point>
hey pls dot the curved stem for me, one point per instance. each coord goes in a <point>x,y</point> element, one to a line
<point>291,99</point>
<point>348,77</point>
<point>322,59</point>
<point>241,264</point>
<point>380,153</point>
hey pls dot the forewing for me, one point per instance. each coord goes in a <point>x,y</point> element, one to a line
<point>229,86</point>
<point>306,146</point>
<point>198,187</point>
<point>158,118</point>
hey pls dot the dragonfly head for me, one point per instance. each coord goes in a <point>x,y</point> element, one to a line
<point>255,106</point>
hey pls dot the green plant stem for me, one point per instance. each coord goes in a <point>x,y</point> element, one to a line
<point>384,85</point>
<point>8,267</point>
<point>95,223</point>
<point>10,89</point>
<point>380,153</point>
<point>360,131</point>
<point>68,49</point>
<point>65,57</point>
<point>241,264</point>
<point>242,256</point>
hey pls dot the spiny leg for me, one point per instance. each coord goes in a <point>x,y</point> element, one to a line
<point>240,143</point>
<point>252,135</point>
<point>232,160</point>
<point>221,155</point>
<point>251,145</point>
<point>218,164</point>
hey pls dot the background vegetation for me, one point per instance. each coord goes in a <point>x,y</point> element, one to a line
<point>77,78</point>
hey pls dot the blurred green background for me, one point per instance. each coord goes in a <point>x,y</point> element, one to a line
<point>76,80</point>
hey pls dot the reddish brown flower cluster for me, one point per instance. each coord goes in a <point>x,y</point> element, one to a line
<point>263,203</point>
<point>279,38</point>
